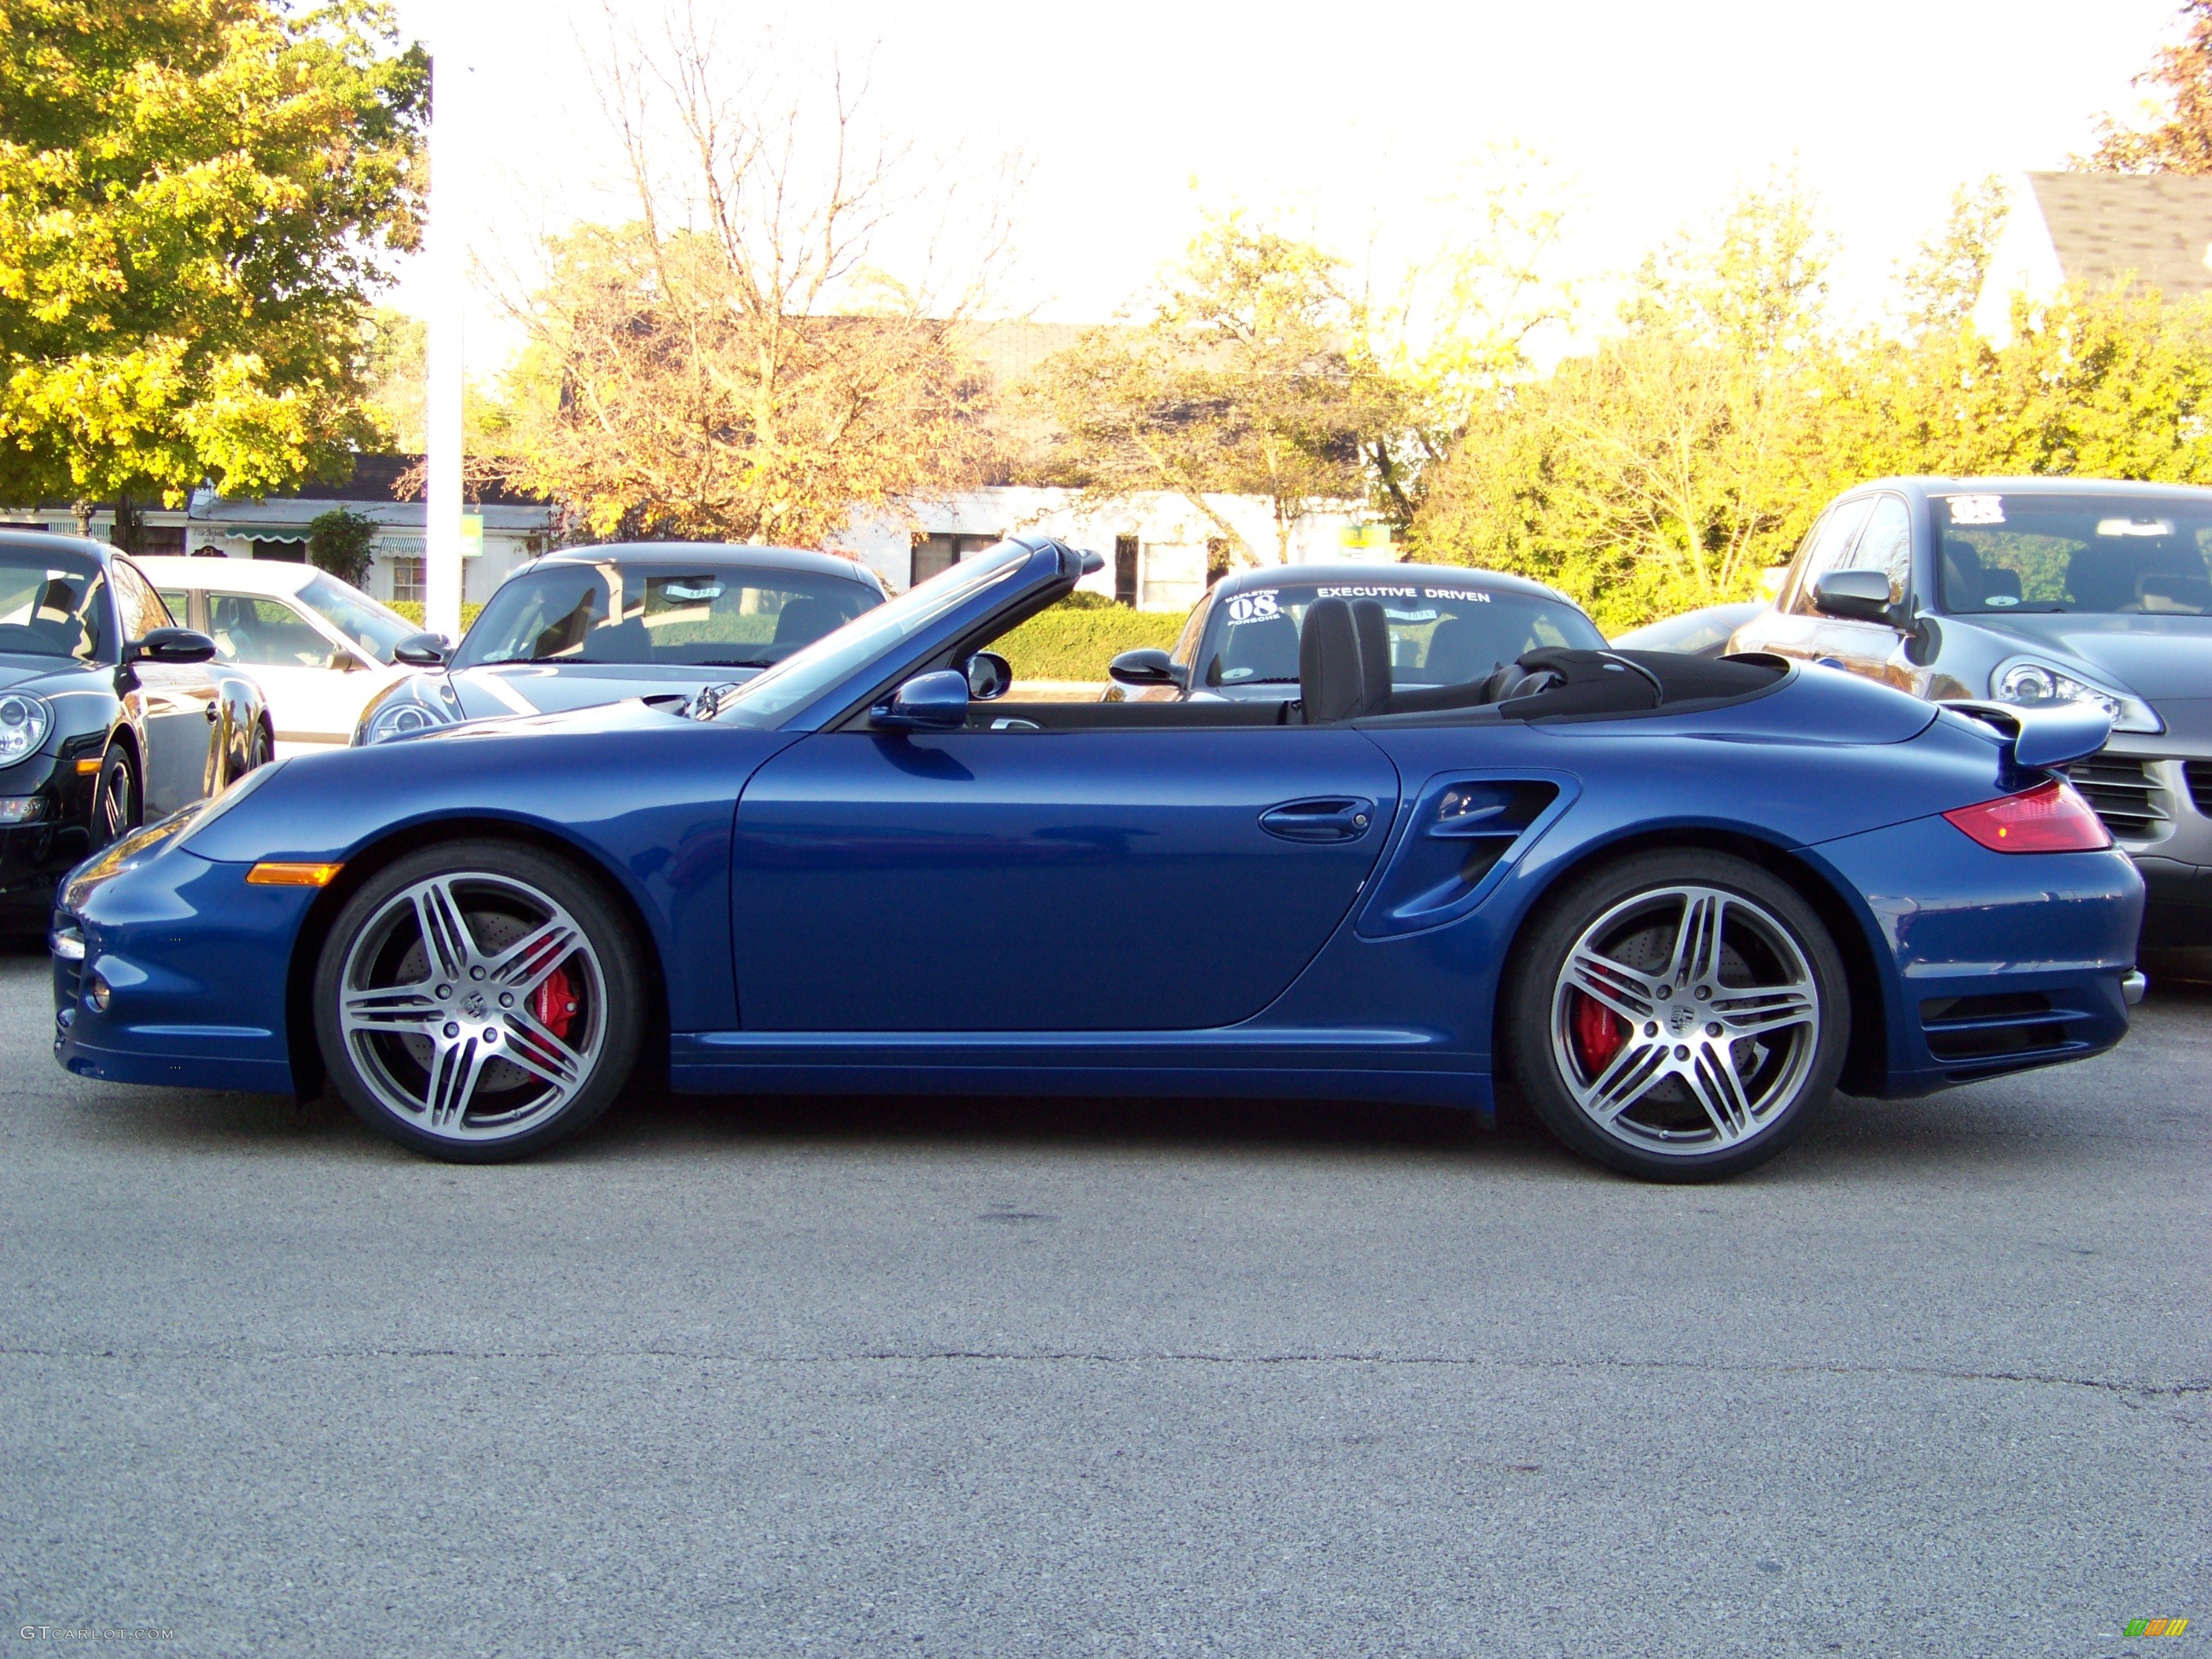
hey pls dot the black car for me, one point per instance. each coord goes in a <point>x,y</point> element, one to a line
<point>110,714</point>
<point>2035,590</point>
<point>1447,626</point>
<point>591,625</point>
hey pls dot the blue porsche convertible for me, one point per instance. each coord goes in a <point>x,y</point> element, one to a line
<point>1676,901</point>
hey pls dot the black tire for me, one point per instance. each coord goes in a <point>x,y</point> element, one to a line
<point>118,806</point>
<point>415,1037</point>
<point>1649,1097</point>
<point>261,750</point>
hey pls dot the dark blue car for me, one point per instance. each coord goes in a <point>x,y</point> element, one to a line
<point>1677,900</point>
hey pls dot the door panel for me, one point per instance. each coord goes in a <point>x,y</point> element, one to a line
<point>1098,880</point>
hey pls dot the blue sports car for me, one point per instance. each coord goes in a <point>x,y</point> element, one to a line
<point>1676,900</point>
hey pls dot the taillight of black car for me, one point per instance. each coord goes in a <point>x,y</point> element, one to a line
<point>2052,818</point>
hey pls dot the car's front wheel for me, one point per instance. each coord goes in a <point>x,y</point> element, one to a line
<point>1675,1014</point>
<point>478,1001</point>
<point>116,804</point>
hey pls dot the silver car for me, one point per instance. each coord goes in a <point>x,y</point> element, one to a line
<point>2030,590</point>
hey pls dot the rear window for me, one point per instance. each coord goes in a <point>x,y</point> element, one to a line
<point>1440,634</point>
<point>618,613</point>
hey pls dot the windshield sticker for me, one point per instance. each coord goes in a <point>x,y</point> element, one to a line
<point>696,589</point>
<point>1978,509</point>
<point>1251,607</point>
<point>1426,613</point>
<point>2135,526</point>
<point>1237,674</point>
<point>1367,590</point>
<point>2001,599</point>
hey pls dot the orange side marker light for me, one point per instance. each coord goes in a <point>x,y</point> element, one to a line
<point>267,874</point>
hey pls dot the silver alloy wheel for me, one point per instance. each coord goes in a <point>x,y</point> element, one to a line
<point>1685,1019</point>
<point>447,1004</point>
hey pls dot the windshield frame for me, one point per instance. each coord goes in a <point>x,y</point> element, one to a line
<point>2175,503</point>
<point>304,596</point>
<point>1217,623</point>
<point>107,628</point>
<point>785,695</point>
<point>664,566</point>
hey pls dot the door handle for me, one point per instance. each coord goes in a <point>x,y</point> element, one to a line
<point>1322,818</point>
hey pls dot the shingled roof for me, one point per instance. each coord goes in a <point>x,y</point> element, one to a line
<point>2104,225</point>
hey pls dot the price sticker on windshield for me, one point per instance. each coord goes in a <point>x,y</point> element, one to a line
<point>1978,509</point>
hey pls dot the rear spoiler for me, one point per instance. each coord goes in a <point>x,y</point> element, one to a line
<point>2039,736</point>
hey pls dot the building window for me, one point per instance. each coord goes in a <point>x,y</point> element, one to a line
<point>934,554</point>
<point>1125,570</point>
<point>406,580</point>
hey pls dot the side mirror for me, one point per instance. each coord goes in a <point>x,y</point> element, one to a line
<point>989,675</point>
<point>421,651</point>
<point>1148,666</point>
<point>1857,595</point>
<point>170,645</point>
<point>935,702</point>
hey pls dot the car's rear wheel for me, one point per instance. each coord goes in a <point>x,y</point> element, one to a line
<point>478,1001</point>
<point>1677,1013</point>
<point>118,807</point>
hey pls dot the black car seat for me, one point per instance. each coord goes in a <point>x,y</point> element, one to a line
<point>1370,626</point>
<point>1999,583</point>
<point>2096,579</point>
<point>1461,649</point>
<point>1965,577</point>
<point>1332,685</point>
<point>803,621</point>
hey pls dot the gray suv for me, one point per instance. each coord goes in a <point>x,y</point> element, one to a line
<point>2027,590</point>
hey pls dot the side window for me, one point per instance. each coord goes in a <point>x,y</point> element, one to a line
<point>1186,646</point>
<point>1886,546</point>
<point>1828,548</point>
<point>265,632</point>
<point>137,605</point>
<point>180,603</point>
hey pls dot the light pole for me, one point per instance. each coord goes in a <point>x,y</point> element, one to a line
<point>445,254</point>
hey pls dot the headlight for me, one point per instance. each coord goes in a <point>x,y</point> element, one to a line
<point>398,718</point>
<point>24,723</point>
<point>2025,680</point>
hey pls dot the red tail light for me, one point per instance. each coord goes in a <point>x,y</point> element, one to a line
<point>2048,819</point>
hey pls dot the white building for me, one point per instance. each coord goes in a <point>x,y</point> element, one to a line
<point>1161,551</point>
<point>2097,229</point>
<point>506,529</point>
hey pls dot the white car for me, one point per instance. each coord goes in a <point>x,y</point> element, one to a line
<point>320,649</point>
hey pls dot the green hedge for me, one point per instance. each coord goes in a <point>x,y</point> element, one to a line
<point>412,610</point>
<point>1069,642</point>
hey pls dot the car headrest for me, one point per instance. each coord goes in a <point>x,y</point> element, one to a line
<point>1330,682</point>
<point>1370,626</point>
<point>803,621</point>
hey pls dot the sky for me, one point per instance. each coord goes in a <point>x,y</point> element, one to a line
<point>1345,121</point>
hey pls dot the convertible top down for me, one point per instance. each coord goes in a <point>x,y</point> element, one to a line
<point>1678,900</point>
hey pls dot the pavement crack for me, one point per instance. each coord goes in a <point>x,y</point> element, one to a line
<point>1139,1358</point>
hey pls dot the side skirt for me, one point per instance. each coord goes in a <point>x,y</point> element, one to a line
<point>1412,1067</point>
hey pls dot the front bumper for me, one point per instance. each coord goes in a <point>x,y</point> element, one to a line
<point>196,965</point>
<point>2159,807</point>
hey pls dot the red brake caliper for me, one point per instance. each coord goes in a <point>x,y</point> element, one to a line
<point>553,1002</point>
<point>1599,1033</point>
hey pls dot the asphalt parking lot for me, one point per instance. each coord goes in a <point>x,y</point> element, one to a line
<point>856,1377</point>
